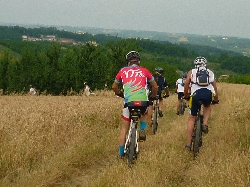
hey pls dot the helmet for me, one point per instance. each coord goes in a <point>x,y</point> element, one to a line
<point>200,61</point>
<point>159,70</point>
<point>184,75</point>
<point>85,83</point>
<point>133,55</point>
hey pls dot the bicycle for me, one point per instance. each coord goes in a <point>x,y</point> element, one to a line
<point>155,115</point>
<point>131,145</point>
<point>197,133</point>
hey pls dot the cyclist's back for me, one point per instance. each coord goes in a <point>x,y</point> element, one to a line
<point>134,79</point>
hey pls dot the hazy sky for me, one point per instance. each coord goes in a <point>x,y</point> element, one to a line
<point>205,17</point>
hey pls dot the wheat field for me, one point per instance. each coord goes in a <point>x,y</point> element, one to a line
<point>72,141</point>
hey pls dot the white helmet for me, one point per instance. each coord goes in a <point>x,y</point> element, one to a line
<point>200,61</point>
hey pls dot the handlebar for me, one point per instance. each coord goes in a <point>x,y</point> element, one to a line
<point>153,98</point>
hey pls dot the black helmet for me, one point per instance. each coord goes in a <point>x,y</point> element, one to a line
<point>184,75</point>
<point>159,70</point>
<point>133,55</point>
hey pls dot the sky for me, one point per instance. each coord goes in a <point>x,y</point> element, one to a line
<point>202,17</point>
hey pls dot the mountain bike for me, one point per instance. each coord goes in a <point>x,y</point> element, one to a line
<point>182,106</point>
<point>197,133</point>
<point>131,145</point>
<point>155,115</point>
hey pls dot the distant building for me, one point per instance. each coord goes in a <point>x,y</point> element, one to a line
<point>183,39</point>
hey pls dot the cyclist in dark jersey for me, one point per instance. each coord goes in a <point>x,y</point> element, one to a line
<point>162,87</point>
<point>134,79</point>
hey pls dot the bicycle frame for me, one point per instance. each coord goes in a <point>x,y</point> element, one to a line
<point>131,144</point>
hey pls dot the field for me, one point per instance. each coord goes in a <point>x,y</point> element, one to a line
<point>72,141</point>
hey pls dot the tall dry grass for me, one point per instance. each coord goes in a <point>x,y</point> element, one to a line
<point>73,141</point>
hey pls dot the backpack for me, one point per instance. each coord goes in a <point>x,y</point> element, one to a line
<point>202,76</point>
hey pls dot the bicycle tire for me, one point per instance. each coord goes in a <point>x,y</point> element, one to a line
<point>132,147</point>
<point>155,120</point>
<point>182,108</point>
<point>197,137</point>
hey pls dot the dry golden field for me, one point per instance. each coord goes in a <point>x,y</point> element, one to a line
<point>72,141</point>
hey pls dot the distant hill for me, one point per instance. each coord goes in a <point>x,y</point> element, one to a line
<point>236,44</point>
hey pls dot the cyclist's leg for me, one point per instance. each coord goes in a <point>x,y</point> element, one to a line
<point>206,114</point>
<point>143,123</point>
<point>190,128</point>
<point>160,106</point>
<point>124,130</point>
<point>180,94</point>
<point>178,105</point>
<point>194,106</point>
<point>150,112</point>
<point>206,108</point>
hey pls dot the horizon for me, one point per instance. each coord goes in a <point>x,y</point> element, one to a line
<point>200,17</point>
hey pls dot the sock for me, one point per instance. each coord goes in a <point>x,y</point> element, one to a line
<point>143,125</point>
<point>121,150</point>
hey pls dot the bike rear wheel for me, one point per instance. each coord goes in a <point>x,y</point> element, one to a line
<point>132,148</point>
<point>155,120</point>
<point>182,108</point>
<point>197,136</point>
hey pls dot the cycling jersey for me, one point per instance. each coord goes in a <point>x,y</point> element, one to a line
<point>134,79</point>
<point>180,85</point>
<point>161,82</point>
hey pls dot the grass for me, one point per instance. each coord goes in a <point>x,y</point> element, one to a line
<point>72,141</point>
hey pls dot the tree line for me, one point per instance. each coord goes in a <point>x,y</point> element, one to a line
<point>56,70</point>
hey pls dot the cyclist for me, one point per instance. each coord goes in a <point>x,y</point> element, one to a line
<point>86,89</point>
<point>179,89</point>
<point>162,87</point>
<point>134,79</point>
<point>203,93</point>
<point>32,91</point>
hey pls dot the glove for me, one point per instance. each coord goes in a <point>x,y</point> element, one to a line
<point>165,96</point>
<point>120,94</point>
<point>215,102</point>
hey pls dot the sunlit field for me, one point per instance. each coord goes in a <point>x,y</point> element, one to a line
<point>72,141</point>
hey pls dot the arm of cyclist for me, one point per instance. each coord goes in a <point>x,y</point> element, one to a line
<point>116,90</point>
<point>216,97</point>
<point>154,90</point>
<point>186,86</point>
<point>166,92</point>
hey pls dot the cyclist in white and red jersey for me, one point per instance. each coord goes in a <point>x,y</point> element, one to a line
<point>134,79</point>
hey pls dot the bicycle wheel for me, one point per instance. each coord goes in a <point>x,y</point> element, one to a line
<point>132,147</point>
<point>182,108</point>
<point>197,136</point>
<point>155,120</point>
